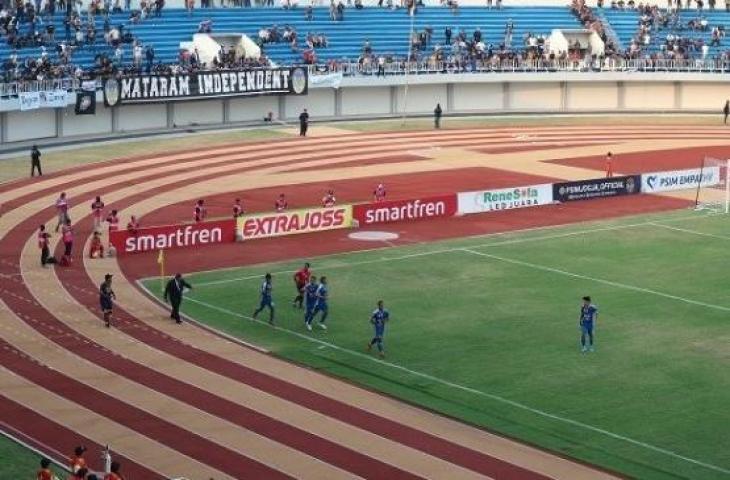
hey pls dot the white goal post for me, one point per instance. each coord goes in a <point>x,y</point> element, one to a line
<point>713,189</point>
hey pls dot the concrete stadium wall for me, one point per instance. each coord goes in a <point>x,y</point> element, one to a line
<point>382,97</point>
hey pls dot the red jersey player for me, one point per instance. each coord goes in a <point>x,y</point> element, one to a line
<point>97,211</point>
<point>238,209</point>
<point>133,225</point>
<point>96,249</point>
<point>113,220</point>
<point>329,199</point>
<point>379,193</point>
<point>609,165</point>
<point>199,212</point>
<point>301,277</point>
<point>281,204</point>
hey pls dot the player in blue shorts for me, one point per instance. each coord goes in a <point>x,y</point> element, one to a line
<point>310,300</point>
<point>266,299</point>
<point>323,294</point>
<point>379,318</point>
<point>588,315</point>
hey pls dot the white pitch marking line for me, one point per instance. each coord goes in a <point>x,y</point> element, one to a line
<point>456,249</point>
<point>693,232</point>
<point>597,280</point>
<point>491,396</point>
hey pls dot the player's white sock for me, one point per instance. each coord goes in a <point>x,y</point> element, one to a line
<point>323,326</point>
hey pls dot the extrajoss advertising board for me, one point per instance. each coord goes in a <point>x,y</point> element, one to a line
<point>263,225</point>
<point>400,210</point>
<point>680,179</point>
<point>505,198</point>
<point>596,188</point>
<point>173,236</point>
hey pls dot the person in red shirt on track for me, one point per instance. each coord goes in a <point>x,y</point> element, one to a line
<point>45,472</point>
<point>609,165</point>
<point>281,204</point>
<point>329,199</point>
<point>238,210</point>
<point>379,193</point>
<point>77,460</point>
<point>133,225</point>
<point>199,212</point>
<point>97,211</point>
<point>301,277</point>
<point>43,244</point>
<point>67,236</point>
<point>114,474</point>
<point>113,220</point>
<point>96,248</point>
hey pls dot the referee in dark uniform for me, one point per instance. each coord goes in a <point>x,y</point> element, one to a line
<point>35,161</point>
<point>106,299</point>
<point>174,295</point>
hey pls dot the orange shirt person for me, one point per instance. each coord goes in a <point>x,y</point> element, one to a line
<point>609,165</point>
<point>114,473</point>
<point>45,472</point>
<point>77,461</point>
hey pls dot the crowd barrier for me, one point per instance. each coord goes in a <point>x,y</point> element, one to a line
<point>310,220</point>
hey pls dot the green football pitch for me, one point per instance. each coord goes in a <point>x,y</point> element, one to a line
<point>485,329</point>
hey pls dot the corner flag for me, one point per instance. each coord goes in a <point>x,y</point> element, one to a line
<point>161,263</point>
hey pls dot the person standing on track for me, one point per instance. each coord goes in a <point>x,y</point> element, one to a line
<point>174,295</point>
<point>726,111</point>
<point>61,210</point>
<point>609,165</point>
<point>303,123</point>
<point>437,112</point>
<point>379,318</point>
<point>77,461</point>
<point>97,210</point>
<point>114,472</point>
<point>113,220</point>
<point>301,278</point>
<point>35,160</point>
<point>199,212</point>
<point>281,204</point>
<point>67,236</point>
<point>379,193</point>
<point>45,472</point>
<point>238,209</point>
<point>106,299</point>
<point>43,241</point>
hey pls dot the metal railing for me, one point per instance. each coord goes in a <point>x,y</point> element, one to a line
<point>354,69</point>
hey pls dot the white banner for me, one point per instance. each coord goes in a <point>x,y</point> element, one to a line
<point>326,80</point>
<point>50,99</point>
<point>680,179</point>
<point>505,198</point>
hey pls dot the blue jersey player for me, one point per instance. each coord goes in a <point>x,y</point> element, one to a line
<point>310,300</point>
<point>267,300</point>
<point>379,318</point>
<point>323,294</point>
<point>588,315</point>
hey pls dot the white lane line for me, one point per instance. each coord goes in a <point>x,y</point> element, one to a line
<point>624,286</point>
<point>456,249</point>
<point>693,232</point>
<point>497,398</point>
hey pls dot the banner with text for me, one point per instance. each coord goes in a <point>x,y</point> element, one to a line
<point>205,84</point>
<point>173,236</point>
<point>405,210</point>
<point>680,179</point>
<point>263,225</point>
<point>596,188</point>
<point>505,198</point>
<point>45,99</point>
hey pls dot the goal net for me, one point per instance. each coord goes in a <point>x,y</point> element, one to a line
<point>713,188</point>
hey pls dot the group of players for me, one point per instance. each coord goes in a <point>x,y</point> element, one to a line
<point>312,296</point>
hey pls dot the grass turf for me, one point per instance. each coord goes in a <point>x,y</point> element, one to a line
<point>481,323</point>
<point>17,462</point>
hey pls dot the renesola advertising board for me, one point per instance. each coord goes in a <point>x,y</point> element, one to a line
<point>265,225</point>
<point>400,210</point>
<point>505,198</point>
<point>680,179</point>
<point>596,188</point>
<point>173,236</point>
